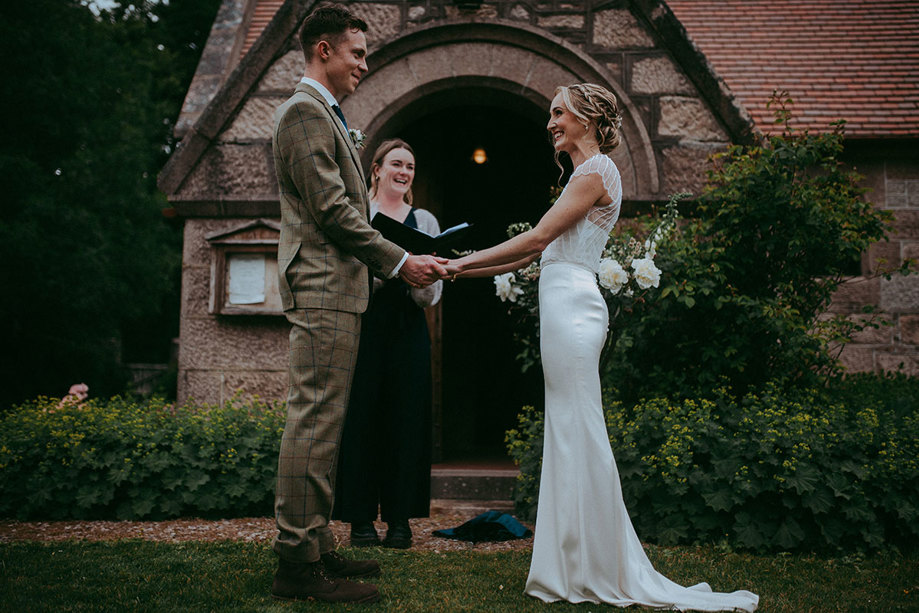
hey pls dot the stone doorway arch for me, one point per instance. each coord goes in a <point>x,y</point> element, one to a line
<point>441,88</point>
<point>499,56</point>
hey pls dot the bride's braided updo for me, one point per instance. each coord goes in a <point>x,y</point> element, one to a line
<point>597,107</point>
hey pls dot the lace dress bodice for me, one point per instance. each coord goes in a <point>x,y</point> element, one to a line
<point>583,243</point>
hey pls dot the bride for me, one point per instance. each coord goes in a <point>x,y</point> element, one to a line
<point>585,547</point>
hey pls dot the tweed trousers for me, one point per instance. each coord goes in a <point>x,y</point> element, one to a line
<point>323,351</point>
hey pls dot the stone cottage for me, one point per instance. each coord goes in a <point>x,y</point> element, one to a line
<point>450,77</point>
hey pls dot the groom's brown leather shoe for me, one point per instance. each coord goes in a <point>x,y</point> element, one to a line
<point>338,566</point>
<point>309,581</point>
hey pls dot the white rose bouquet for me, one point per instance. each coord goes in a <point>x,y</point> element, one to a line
<point>626,275</point>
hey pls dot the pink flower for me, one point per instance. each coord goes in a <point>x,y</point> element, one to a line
<point>77,393</point>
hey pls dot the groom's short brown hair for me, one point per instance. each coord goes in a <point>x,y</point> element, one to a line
<point>328,22</point>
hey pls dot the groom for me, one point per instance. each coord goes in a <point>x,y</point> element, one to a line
<point>324,253</point>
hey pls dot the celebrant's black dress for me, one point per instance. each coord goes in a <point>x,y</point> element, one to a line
<point>385,453</point>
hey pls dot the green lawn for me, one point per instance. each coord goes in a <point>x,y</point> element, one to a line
<point>145,576</point>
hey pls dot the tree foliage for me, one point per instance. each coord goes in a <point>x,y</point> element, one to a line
<point>88,105</point>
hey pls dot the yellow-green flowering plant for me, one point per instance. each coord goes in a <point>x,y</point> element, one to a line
<point>126,459</point>
<point>626,276</point>
<point>828,470</point>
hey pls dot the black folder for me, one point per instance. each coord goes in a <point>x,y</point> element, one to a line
<point>418,242</point>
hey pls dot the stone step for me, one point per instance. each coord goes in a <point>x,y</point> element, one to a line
<point>469,508</point>
<point>473,483</point>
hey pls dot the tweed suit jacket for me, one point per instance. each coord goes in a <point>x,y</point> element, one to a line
<point>327,244</point>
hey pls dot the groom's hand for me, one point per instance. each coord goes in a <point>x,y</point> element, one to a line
<point>422,270</point>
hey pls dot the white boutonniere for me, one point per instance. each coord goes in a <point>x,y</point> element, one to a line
<point>357,137</point>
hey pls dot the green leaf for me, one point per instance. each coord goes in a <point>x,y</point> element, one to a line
<point>820,500</point>
<point>789,535</point>
<point>749,532</point>
<point>719,500</point>
<point>142,507</point>
<point>857,510</point>
<point>673,530</point>
<point>804,479</point>
<point>87,497</point>
<point>839,484</point>
<point>906,510</point>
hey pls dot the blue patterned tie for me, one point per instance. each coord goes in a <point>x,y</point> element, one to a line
<point>341,115</point>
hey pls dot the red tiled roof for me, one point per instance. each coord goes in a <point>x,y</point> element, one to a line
<point>856,60</point>
<point>261,15</point>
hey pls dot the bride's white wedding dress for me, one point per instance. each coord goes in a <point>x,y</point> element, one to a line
<point>585,547</point>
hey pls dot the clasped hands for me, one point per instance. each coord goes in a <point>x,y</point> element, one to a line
<point>422,270</point>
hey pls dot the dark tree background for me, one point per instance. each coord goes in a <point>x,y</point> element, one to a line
<point>89,268</point>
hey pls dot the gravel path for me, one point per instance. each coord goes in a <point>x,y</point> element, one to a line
<point>247,529</point>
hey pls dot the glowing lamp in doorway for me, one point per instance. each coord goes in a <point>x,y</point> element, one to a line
<point>479,156</point>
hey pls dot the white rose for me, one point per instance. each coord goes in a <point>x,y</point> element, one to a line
<point>646,273</point>
<point>612,276</point>
<point>505,289</point>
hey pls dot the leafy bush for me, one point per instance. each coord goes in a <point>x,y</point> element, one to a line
<point>767,471</point>
<point>524,446</point>
<point>127,460</point>
<point>778,228</point>
<point>895,392</point>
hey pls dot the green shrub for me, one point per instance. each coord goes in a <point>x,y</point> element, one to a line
<point>129,460</point>
<point>767,471</point>
<point>524,446</point>
<point>778,228</point>
<point>895,392</point>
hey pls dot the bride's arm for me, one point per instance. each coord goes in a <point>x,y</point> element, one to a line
<point>580,194</point>
<point>491,271</point>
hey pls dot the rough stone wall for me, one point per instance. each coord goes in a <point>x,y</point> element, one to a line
<point>238,166</point>
<point>220,355</point>
<point>893,186</point>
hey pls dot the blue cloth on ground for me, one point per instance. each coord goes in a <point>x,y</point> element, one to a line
<point>489,526</point>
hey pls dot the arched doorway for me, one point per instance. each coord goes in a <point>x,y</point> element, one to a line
<point>448,88</point>
<point>481,388</point>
